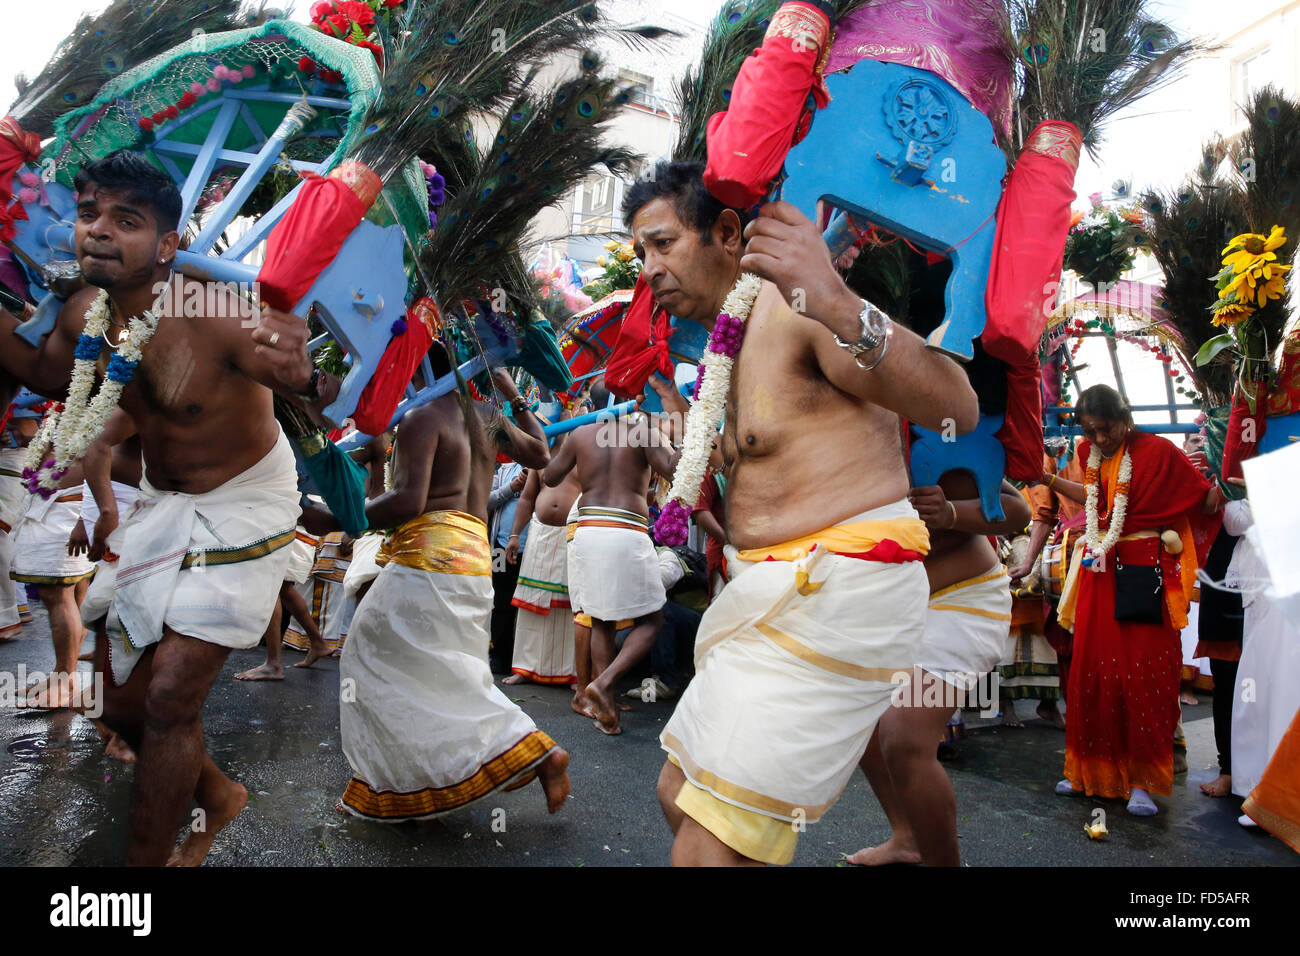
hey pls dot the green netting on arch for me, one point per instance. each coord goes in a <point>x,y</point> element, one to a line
<point>273,49</point>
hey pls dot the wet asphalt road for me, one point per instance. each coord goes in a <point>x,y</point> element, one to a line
<point>64,802</point>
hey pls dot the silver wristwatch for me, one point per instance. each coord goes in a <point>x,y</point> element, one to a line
<point>877,328</point>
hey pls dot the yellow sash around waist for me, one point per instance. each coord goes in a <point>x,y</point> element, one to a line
<point>440,542</point>
<point>854,537</point>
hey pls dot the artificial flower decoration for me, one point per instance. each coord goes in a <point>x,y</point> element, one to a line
<point>1251,250</point>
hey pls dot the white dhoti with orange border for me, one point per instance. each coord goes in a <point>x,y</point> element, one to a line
<point>323,594</point>
<point>423,724</point>
<point>967,629</point>
<point>12,498</point>
<point>795,662</point>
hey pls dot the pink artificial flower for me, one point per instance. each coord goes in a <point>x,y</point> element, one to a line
<point>249,71</point>
<point>29,179</point>
<point>221,71</point>
<point>198,89</point>
<point>28,196</point>
<point>213,84</point>
<point>319,11</point>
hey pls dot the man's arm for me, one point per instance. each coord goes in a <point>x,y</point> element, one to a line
<point>46,370</point>
<point>561,464</point>
<point>523,513</point>
<point>97,467</point>
<point>945,514</point>
<point>918,383</point>
<point>274,354</point>
<point>523,441</point>
<point>412,471</point>
<point>1038,534</point>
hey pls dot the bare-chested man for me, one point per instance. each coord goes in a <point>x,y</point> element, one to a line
<point>794,658</point>
<point>203,555</point>
<point>966,631</point>
<point>613,570</point>
<point>544,630</point>
<point>424,726</point>
<point>14,438</point>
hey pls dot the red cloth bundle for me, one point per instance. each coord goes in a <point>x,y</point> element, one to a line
<point>642,346</point>
<point>1033,220</point>
<point>16,147</point>
<point>384,390</point>
<point>1021,433</point>
<point>1244,430</point>
<point>306,240</point>
<point>767,114</point>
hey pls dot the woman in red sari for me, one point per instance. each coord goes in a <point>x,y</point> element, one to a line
<point>1123,691</point>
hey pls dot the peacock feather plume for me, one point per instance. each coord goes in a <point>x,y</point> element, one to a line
<point>1084,60</point>
<point>1188,228</point>
<point>461,58</point>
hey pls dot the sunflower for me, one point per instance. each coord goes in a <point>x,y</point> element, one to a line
<point>1231,314</point>
<point>1271,288</point>
<point>1250,250</point>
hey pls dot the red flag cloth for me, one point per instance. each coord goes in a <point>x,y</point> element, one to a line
<point>748,143</point>
<point>1284,397</point>
<point>1033,219</point>
<point>1021,433</point>
<point>1244,430</point>
<point>384,390</point>
<point>16,147</point>
<point>642,346</point>
<point>307,239</point>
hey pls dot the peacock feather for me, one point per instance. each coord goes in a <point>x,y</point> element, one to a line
<point>1084,60</point>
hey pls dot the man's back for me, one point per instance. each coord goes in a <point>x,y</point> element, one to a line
<point>613,474</point>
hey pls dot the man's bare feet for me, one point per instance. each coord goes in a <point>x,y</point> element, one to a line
<point>1188,697</point>
<point>118,748</point>
<point>891,851</point>
<point>606,716</point>
<point>56,692</point>
<point>316,650</point>
<point>1220,786</point>
<point>263,672</point>
<point>554,774</point>
<point>515,679</point>
<point>1048,710</point>
<point>7,636</point>
<point>194,849</point>
<point>581,705</point>
<point>1009,719</point>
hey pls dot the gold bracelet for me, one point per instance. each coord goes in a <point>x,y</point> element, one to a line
<point>954,515</point>
<point>1051,482</point>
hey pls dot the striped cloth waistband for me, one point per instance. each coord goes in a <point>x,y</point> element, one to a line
<point>600,517</point>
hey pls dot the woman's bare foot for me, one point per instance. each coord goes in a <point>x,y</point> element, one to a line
<point>316,650</point>
<point>581,705</point>
<point>515,679</point>
<point>1186,696</point>
<point>606,712</point>
<point>1220,786</point>
<point>554,774</point>
<point>194,850</point>
<point>892,850</point>
<point>263,672</point>
<point>1048,710</point>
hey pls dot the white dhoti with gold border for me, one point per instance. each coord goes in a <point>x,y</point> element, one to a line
<point>544,651</point>
<point>795,663</point>
<point>423,724</point>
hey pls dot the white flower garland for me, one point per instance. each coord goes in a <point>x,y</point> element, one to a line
<point>706,413</point>
<point>1096,543</point>
<point>71,428</point>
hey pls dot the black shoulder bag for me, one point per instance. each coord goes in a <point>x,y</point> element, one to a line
<point>1139,593</point>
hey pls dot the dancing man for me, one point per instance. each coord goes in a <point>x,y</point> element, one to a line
<point>826,595</point>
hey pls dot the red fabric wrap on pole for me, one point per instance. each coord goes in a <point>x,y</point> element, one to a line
<point>384,390</point>
<point>1033,220</point>
<point>748,143</point>
<point>1243,425</point>
<point>306,240</point>
<point>1021,433</point>
<point>16,147</point>
<point>642,346</point>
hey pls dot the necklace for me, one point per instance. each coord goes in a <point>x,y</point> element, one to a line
<point>70,427</point>
<point>1097,544</point>
<point>711,388</point>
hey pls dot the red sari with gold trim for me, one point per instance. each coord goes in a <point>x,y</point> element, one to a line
<point>1123,690</point>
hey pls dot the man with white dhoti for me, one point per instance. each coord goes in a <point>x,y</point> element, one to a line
<point>41,557</point>
<point>13,498</point>
<point>323,595</point>
<point>827,595</point>
<point>613,570</point>
<point>543,649</point>
<point>424,726</point>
